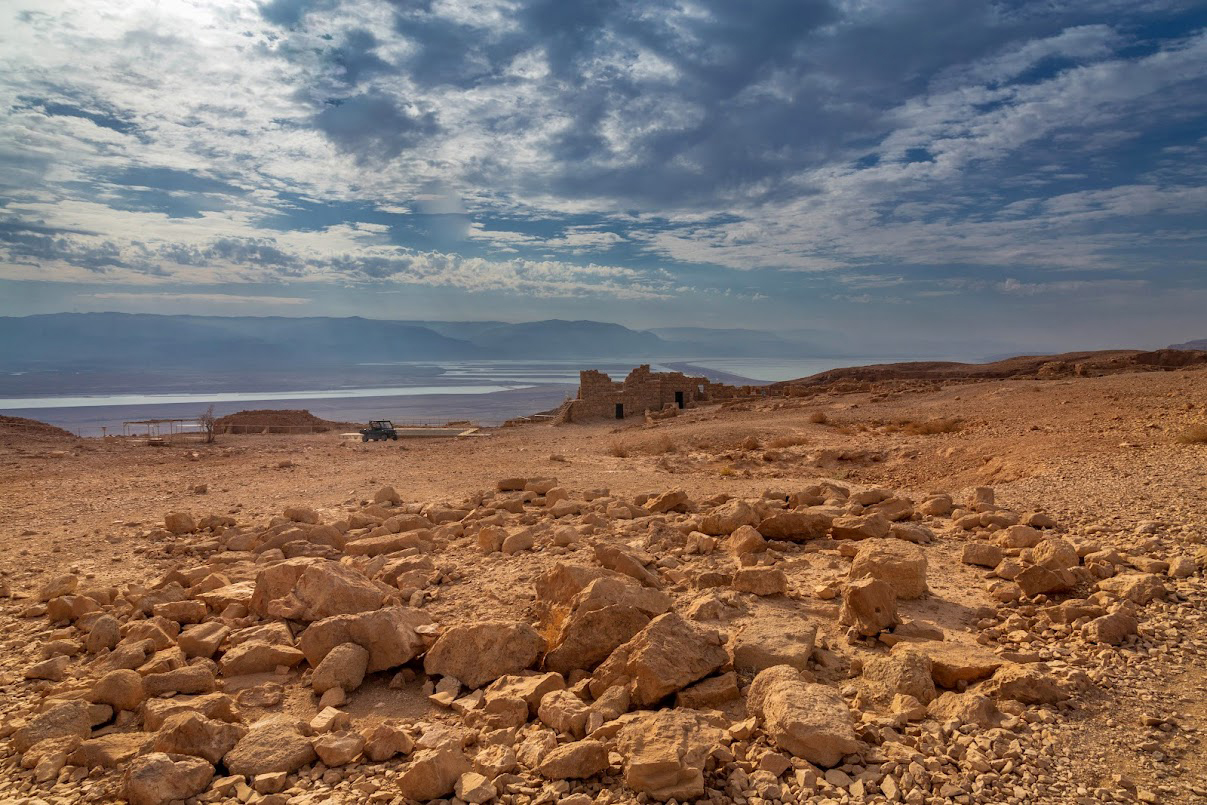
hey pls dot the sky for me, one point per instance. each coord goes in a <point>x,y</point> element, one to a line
<point>1029,174</point>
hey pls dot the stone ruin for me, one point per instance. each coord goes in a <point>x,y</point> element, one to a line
<point>642,392</point>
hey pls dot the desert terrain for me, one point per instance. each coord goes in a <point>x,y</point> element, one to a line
<point>976,592</point>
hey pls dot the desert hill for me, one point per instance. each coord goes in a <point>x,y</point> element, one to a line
<point>1066,364</point>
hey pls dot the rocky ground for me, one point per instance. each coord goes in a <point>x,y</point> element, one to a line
<point>988,592</point>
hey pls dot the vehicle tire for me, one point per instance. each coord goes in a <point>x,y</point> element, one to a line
<point>364,438</point>
<point>394,437</point>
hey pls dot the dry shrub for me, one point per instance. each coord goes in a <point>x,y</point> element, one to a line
<point>726,472</point>
<point>788,440</point>
<point>750,443</point>
<point>1195,434</point>
<point>932,426</point>
<point>819,418</point>
<point>618,449</point>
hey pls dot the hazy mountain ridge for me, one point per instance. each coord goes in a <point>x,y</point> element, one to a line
<point>1198,343</point>
<point>99,341</point>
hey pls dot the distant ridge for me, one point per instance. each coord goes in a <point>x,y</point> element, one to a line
<point>1198,344</point>
<point>1061,365</point>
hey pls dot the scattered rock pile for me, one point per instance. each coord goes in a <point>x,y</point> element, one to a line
<point>759,650</point>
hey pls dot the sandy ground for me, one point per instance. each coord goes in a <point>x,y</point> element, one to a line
<point>1101,455</point>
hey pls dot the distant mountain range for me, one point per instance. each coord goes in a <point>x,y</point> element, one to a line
<point>98,341</point>
<point>1197,344</point>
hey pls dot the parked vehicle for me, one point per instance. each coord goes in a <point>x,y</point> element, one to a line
<point>379,430</point>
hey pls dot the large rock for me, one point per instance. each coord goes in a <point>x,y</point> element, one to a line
<point>665,753</point>
<point>432,774</point>
<point>953,663</point>
<point>966,708</point>
<point>795,526</point>
<point>729,517</point>
<point>1140,588</point>
<point>869,606</point>
<point>530,687</point>
<point>389,635</point>
<point>1023,684</point>
<point>1112,629</point>
<point>809,720</point>
<point>866,526</point>
<point>191,733</point>
<point>343,667</point>
<point>482,652</point>
<point>604,615</point>
<point>613,558</point>
<point>1055,554</point>
<point>66,719</point>
<point>901,564</point>
<point>774,640</point>
<point>121,689</point>
<point>309,589</point>
<point>668,654</point>
<point>111,751</point>
<point>276,746</point>
<point>983,554</point>
<point>1037,580</point>
<point>576,760</point>
<point>156,779</point>
<point>906,672</point>
<point>761,581</point>
<point>258,657</point>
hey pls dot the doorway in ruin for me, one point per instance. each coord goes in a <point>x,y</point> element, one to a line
<point>620,410</point>
<point>679,398</point>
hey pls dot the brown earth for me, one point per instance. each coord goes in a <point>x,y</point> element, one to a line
<point>15,428</point>
<point>1101,455</point>
<point>275,420</point>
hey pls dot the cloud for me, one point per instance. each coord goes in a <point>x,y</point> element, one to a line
<point>616,149</point>
<point>218,298</point>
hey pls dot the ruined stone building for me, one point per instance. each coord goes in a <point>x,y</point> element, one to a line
<point>601,397</point>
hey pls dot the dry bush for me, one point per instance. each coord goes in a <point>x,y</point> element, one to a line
<point>661,446</point>
<point>932,426</point>
<point>788,440</point>
<point>819,418</point>
<point>618,449</point>
<point>750,443</point>
<point>726,472</point>
<point>1195,434</point>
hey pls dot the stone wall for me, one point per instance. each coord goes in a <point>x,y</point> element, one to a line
<point>600,397</point>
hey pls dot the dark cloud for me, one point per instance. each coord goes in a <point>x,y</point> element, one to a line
<point>372,128</point>
<point>105,118</point>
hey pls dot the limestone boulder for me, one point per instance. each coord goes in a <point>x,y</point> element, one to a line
<point>869,606</point>
<point>795,525</point>
<point>275,746</point>
<point>665,753</point>
<point>385,740</point>
<point>66,719</point>
<point>258,657</point>
<point>1023,684</point>
<point>1140,588</point>
<point>808,720</point>
<point>1039,580</point>
<point>563,711</point>
<point>1111,629</point>
<point>338,748</point>
<point>906,672</point>
<point>121,689</point>
<point>899,564</point>
<point>1055,554</point>
<point>674,500</point>
<point>320,588</point>
<point>953,663</point>
<point>604,615</point>
<point>723,520</point>
<point>191,733</point>
<point>482,652</point>
<point>111,751</point>
<point>614,558</point>
<point>388,634</point>
<point>344,667</point>
<point>668,654</point>
<point>530,687</point>
<point>761,581</point>
<point>966,708</point>
<point>773,640</point>
<point>982,554</point>
<point>179,523</point>
<point>576,760</point>
<point>157,778</point>
<point>860,527</point>
<point>432,774</point>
